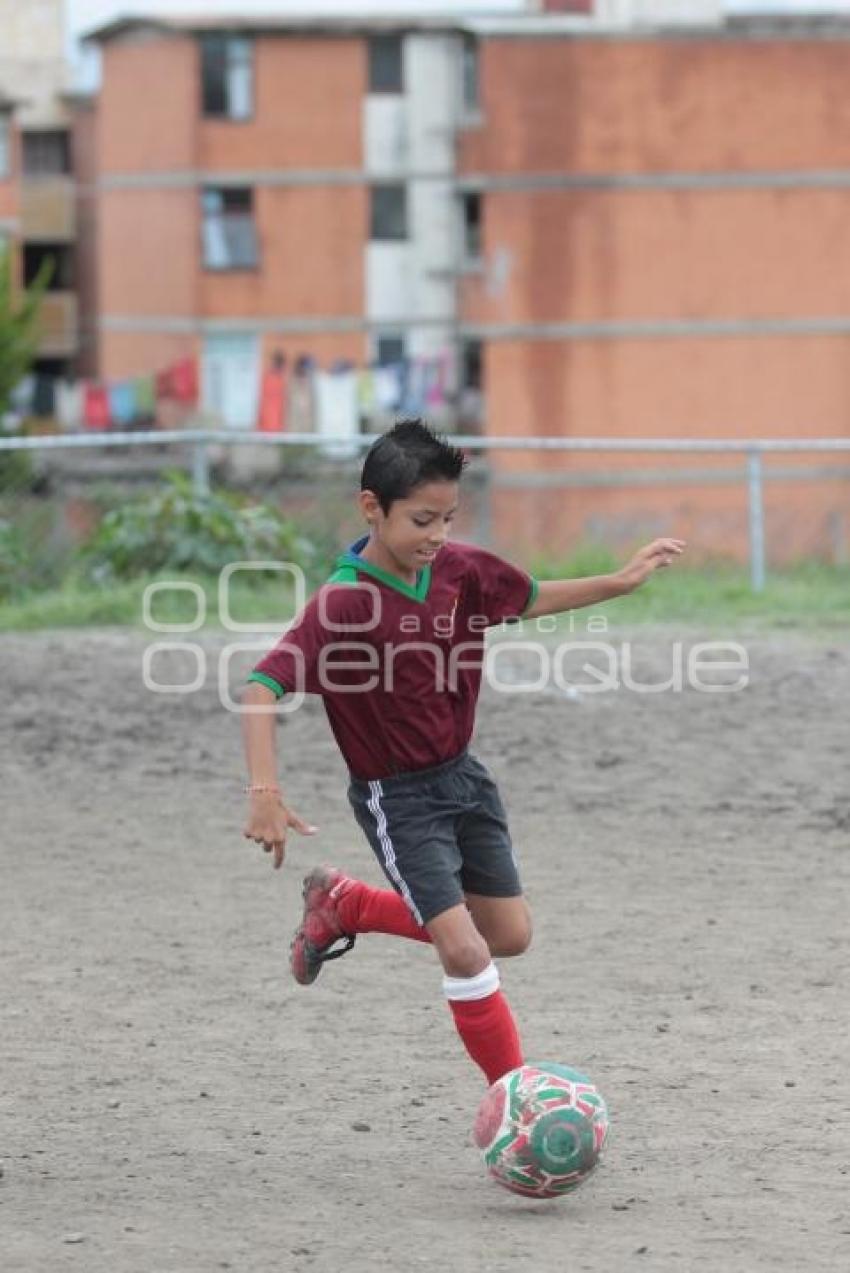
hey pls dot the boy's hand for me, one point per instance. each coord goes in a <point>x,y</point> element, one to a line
<point>268,822</point>
<point>655,556</point>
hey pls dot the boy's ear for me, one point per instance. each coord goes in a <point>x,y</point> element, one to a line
<point>370,505</point>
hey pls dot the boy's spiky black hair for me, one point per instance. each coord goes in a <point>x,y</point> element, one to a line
<point>407,455</point>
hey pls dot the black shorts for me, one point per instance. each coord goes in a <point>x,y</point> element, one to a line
<point>439,833</point>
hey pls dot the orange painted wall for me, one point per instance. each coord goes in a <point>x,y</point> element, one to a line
<point>308,103</point>
<point>722,387</point>
<point>149,244</point>
<point>687,104</point>
<point>149,105</point>
<point>129,354</point>
<point>311,257</point>
<point>643,106</point>
<point>665,254</point>
<point>803,519</point>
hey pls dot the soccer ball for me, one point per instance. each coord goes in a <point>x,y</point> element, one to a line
<point>541,1129</point>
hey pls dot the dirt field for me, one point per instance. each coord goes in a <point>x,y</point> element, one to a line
<point>171,1101</point>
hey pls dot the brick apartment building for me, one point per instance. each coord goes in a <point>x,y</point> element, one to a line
<point>36,149</point>
<point>621,232</point>
<point>9,178</point>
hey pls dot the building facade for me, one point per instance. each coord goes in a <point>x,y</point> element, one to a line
<point>618,233</point>
<point>9,179</point>
<point>33,73</point>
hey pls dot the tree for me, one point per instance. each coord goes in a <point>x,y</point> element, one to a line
<point>19,314</point>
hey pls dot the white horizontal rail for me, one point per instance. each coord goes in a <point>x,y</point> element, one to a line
<point>200,440</point>
<point>194,437</point>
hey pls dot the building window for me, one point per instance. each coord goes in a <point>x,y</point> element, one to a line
<point>388,214</point>
<point>386,64</point>
<point>227,76</point>
<point>471,211</point>
<point>470,84</point>
<point>471,365</point>
<point>390,350</point>
<point>47,154</point>
<point>5,146</point>
<point>58,258</point>
<point>229,232</point>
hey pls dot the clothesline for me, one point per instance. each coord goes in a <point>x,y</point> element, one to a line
<point>338,399</point>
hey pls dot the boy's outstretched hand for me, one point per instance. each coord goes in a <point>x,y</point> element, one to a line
<point>655,556</point>
<point>268,822</point>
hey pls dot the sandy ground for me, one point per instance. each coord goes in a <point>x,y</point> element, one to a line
<point>170,1100</point>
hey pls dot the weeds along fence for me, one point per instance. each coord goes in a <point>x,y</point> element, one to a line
<point>756,500</point>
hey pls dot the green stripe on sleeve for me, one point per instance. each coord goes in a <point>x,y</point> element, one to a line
<point>532,594</point>
<point>268,681</point>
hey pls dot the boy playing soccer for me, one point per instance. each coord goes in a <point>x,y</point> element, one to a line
<point>394,645</point>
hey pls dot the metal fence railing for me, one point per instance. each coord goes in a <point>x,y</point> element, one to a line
<point>199,451</point>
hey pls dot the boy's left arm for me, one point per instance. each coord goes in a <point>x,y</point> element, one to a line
<point>557,595</point>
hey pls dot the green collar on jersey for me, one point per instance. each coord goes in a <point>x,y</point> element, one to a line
<point>351,563</point>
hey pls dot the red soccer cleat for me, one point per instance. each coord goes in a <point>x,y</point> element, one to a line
<point>320,927</point>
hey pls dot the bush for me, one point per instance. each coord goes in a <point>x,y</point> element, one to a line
<point>17,473</point>
<point>14,562</point>
<point>179,530</point>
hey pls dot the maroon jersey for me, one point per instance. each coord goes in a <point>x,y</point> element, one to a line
<point>398,665</point>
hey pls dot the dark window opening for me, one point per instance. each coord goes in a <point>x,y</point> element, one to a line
<point>386,64</point>
<point>229,231</point>
<point>472,365</point>
<point>47,154</point>
<point>391,350</point>
<point>472,214</point>
<point>58,258</point>
<point>5,145</point>
<point>388,214</point>
<point>227,76</point>
<point>471,77</point>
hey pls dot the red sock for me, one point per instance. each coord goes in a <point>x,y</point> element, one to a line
<point>485,1023</point>
<point>363,909</point>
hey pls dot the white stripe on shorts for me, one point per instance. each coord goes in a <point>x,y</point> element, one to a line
<point>374,805</point>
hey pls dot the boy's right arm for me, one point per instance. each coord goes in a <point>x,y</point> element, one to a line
<point>269,818</point>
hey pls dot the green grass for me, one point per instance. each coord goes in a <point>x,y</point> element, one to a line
<point>808,597</point>
<point>78,605</point>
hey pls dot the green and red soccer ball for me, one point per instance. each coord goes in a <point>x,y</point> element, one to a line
<point>541,1129</point>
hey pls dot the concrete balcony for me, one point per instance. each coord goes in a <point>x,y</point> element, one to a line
<point>58,325</point>
<point>48,213</point>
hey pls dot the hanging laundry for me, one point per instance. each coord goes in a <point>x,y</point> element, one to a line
<point>95,406</point>
<point>69,405</point>
<point>388,382</point>
<point>122,403</point>
<point>272,416</point>
<point>184,381</point>
<point>415,387</point>
<point>366,394</point>
<point>301,411</point>
<point>144,398</point>
<point>23,394</point>
<point>336,410</point>
<point>164,388</point>
<point>436,382</point>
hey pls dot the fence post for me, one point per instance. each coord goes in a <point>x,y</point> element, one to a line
<point>200,468</point>
<point>756,507</point>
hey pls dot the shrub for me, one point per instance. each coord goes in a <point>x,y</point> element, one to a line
<point>179,530</point>
<point>14,563</point>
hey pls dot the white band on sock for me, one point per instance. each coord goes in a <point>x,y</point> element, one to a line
<point>478,987</point>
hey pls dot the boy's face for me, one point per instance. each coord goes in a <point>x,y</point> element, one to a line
<point>414,530</point>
